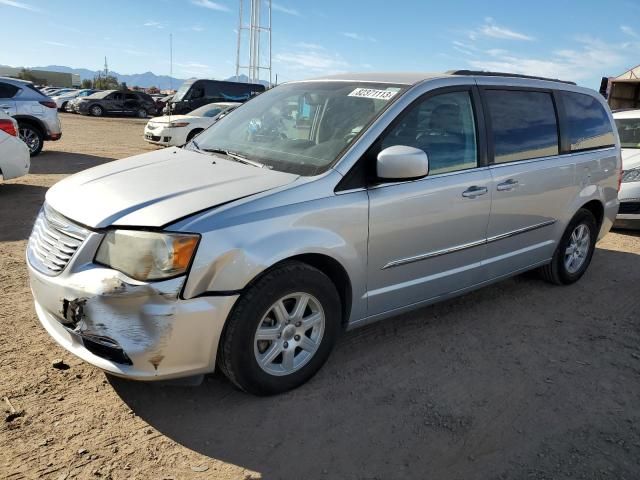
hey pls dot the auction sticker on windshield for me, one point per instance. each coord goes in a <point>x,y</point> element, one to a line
<point>373,93</point>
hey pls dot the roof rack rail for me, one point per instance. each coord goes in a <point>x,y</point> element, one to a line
<point>480,73</point>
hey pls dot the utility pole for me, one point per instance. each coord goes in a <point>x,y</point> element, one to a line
<point>257,33</point>
<point>106,67</point>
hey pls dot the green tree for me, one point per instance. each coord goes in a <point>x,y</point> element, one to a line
<point>105,82</point>
<point>86,83</point>
<point>27,75</point>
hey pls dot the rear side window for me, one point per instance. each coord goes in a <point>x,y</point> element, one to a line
<point>524,125</point>
<point>7,90</point>
<point>588,124</point>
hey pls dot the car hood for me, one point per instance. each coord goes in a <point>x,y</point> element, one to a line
<point>171,118</point>
<point>156,188</point>
<point>630,158</point>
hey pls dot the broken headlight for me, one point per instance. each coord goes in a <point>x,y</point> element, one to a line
<point>147,255</point>
<point>632,175</point>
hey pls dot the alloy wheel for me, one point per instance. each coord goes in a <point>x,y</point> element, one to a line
<point>30,137</point>
<point>578,249</point>
<point>289,334</point>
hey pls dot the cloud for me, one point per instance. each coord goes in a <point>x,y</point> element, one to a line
<point>23,6</point>
<point>153,23</point>
<point>490,29</point>
<point>280,8</point>
<point>58,44</point>
<point>197,28</point>
<point>629,31</point>
<point>314,61</point>
<point>593,58</point>
<point>211,5</point>
<point>357,36</point>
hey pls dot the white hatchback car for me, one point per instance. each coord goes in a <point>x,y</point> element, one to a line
<point>177,130</point>
<point>14,153</point>
<point>628,123</point>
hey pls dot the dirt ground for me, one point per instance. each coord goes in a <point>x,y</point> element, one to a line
<point>520,380</point>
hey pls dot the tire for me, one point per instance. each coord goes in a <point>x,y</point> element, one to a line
<point>240,349</point>
<point>96,111</point>
<point>32,136</point>
<point>562,271</point>
<point>193,133</point>
<point>63,108</point>
<point>141,113</point>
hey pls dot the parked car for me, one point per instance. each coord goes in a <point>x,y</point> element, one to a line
<point>37,114</point>
<point>63,100</point>
<point>380,193</point>
<point>125,102</point>
<point>195,93</point>
<point>14,153</point>
<point>628,123</point>
<point>176,130</point>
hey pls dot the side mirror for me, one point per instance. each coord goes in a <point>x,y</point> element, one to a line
<point>400,162</point>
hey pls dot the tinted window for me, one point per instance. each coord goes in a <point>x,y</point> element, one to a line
<point>115,96</point>
<point>443,127</point>
<point>524,124</point>
<point>130,96</point>
<point>7,90</point>
<point>588,123</point>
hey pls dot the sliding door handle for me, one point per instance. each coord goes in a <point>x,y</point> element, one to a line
<point>475,191</point>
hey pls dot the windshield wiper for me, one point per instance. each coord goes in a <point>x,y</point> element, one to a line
<point>235,156</point>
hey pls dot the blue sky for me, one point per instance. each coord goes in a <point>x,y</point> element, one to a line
<point>574,40</point>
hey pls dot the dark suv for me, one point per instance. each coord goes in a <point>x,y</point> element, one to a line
<point>117,102</point>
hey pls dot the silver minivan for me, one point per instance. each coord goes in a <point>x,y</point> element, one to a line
<point>317,206</point>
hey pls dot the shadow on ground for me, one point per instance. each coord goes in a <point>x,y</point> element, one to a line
<point>518,380</point>
<point>20,202</point>
<point>64,163</point>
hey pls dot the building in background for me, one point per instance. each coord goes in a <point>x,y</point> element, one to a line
<point>623,91</point>
<point>42,77</point>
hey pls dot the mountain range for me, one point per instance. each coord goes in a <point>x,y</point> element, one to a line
<point>145,80</point>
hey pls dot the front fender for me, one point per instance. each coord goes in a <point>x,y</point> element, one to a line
<point>240,246</point>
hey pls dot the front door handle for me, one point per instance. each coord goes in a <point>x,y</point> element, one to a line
<point>475,191</point>
<point>507,185</point>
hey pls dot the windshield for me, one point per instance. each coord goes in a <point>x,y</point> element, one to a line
<point>184,88</point>
<point>301,127</point>
<point>629,131</point>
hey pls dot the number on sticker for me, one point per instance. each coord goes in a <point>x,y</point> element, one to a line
<point>372,93</point>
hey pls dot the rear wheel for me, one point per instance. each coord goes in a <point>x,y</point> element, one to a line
<point>96,111</point>
<point>63,108</point>
<point>32,136</point>
<point>281,330</point>
<point>575,250</point>
<point>142,113</point>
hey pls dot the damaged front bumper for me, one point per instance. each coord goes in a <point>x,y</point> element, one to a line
<point>137,330</point>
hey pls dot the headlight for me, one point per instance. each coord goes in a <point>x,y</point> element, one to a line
<point>632,175</point>
<point>177,124</point>
<point>147,255</point>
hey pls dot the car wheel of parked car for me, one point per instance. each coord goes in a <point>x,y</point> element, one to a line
<point>63,108</point>
<point>32,136</point>
<point>573,254</point>
<point>96,111</point>
<point>142,113</point>
<point>281,330</point>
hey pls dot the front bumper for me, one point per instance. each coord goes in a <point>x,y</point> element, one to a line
<point>629,213</point>
<point>137,330</point>
<point>163,136</point>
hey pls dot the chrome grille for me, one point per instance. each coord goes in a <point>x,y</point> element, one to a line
<point>53,241</point>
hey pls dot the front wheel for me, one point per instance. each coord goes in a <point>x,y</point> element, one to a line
<point>96,111</point>
<point>575,250</point>
<point>281,330</point>
<point>142,113</point>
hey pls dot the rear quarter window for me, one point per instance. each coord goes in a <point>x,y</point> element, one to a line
<point>7,90</point>
<point>588,125</point>
<point>523,124</point>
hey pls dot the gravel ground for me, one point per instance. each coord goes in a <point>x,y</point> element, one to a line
<point>520,380</point>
